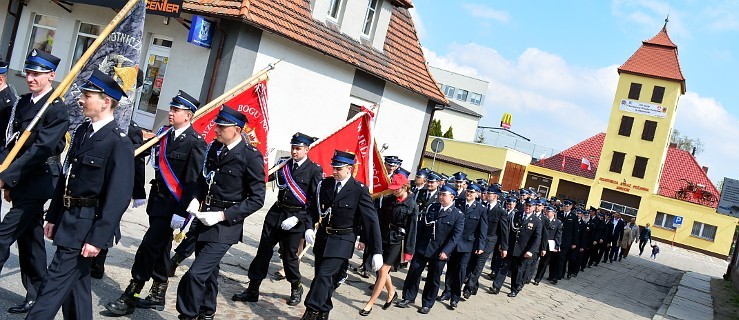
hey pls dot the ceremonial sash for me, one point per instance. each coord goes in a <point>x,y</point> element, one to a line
<point>292,185</point>
<point>170,179</point>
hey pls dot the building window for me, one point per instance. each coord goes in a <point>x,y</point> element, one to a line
<point>626,124</point>
<point>664,220</point>
<point>462,95</point>
<point>353,110</point>
<point>635,91</point>
<point>650,127</point>
<point>617,162</point>
<point>658,94</point>
<point>86,35</point>
<point>449,91</point>
<point>42,33</point>
<point>369,17</point>
<point>705,231</point>
<point>476,99</point>
<point>334,9</point>
<point>640,166</point>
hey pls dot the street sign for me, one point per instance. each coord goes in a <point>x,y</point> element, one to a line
<point>729,202</point>
<point>677,222</point>
<point>437,145</point>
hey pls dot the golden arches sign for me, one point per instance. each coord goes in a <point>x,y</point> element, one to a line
<point>505,122</point>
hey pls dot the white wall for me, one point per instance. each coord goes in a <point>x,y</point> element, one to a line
<point>460,81</point>
<point>400,123</point>
<point>464,125</point>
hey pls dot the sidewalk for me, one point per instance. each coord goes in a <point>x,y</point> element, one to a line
<point>690,299</point>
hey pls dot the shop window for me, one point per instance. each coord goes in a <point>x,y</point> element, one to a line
<point>462,95</point>
<point>705,231</point>
<point>42,33</point>
<point>617,162</point>
<point>369,17</point>
<point>657,94</point>
<point>86,35</point>
<point>626,124</point>
<point>640,167</point>
<point>664,220</point>
<point>635,91</point>
<point>650,127</point>
<point>476,99</point>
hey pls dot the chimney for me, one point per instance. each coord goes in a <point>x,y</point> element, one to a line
<point>705,169</point>
<point>693,153</point>
<point>673,145</point>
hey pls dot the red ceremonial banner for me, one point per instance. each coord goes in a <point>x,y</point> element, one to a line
<point>252,103</point>
<point>355,136</point>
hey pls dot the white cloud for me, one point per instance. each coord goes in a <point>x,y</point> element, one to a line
<point>485,12</point>
<point>418,23</point>
<point>649,14</point>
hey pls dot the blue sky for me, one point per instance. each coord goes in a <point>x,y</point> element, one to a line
<point>552,64</point>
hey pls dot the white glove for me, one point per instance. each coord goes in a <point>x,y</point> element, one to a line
<point>289,223</point>
<point>310,236</point>
<point>209,218</point>
<point>176,222</point>
<point>138,202</point>
<point>376,262</point>
<point>193,207</point>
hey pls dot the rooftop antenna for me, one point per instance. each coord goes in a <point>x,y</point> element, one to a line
<point>667,19</point>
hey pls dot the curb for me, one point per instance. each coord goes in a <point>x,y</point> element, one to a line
<point>662,311</point>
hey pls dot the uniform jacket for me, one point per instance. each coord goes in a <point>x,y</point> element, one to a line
<point>569,228</point>
<point>32,175</point>
<point>8,97</point>
<point>617,233</point>
<point>238,177</point>
<point>498,226</point>
<point>608,231</point>
<point>475,231</point>
<point>185,155</point>
<point>351,208</point>
<point>100,168</point>
<point>424,200</point>
<point>525,235</point>
<point>306,177</point>
<point>139,162</point>
<point>551,230</point>
<point>600,230</point>
<point>442,232</point>
<point>395,215</point>
<point>585,234</point>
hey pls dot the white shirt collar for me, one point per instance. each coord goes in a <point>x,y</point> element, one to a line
<point>343,182</point>
<point>469,203</point>
<point>447,207</point>
<point>36,98</point>
<point>300,163</point>
<point>178,132</point>
<point>233,144</point>
<point>96,126</point>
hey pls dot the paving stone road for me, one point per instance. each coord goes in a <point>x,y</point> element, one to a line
<point>631,289</point>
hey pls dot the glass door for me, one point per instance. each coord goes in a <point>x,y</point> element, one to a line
<point>155,70</point>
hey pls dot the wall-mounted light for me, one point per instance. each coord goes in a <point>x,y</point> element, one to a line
<point>166,20</point>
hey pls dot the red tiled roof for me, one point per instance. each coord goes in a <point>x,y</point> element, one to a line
<point>679,168</point>
<point>401,62</point>
<point>589,149</point>
<point>657,57</point>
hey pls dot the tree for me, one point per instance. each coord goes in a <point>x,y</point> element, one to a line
<point>435,129</point>
<point>449,134</point>
<point>686,143</point>
<point>480,137</point>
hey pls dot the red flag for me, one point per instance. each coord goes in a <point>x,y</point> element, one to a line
<point>563,162</point>
<point>253,104</point>
<point>585,165</point>
<point>355,137</point>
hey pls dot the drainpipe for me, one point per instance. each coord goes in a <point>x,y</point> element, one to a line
<point>217,63</point>
<point>16,22</point>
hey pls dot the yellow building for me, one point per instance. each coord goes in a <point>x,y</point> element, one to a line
<point>642,175</point>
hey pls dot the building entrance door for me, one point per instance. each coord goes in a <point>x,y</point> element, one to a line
<point>155,69</point>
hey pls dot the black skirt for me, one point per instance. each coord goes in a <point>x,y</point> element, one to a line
<point>391,253</point>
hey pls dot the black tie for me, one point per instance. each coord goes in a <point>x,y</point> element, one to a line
<point>295,166</point>
<point>337,188</point>
<point>89,131</point>
<point>224,151</point>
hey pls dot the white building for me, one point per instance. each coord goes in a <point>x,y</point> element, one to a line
<point>466,96</point>
<point>337,55</point>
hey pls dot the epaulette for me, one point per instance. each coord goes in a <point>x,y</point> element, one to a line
<point>121,132</point>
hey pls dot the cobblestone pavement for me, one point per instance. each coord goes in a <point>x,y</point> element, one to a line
<point>631,289</point>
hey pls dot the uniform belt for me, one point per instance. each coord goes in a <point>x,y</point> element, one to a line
<point>70,202</point>
<point>330,230</point>
<point>213,202</point>
<point>52,160</point>
<point>291,209</point>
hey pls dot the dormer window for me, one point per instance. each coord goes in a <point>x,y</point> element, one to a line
<point>334,9</point>
<point>369,18</point>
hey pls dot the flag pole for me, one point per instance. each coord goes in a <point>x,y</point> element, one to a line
<point>67,81</point>
<point>241,87</point>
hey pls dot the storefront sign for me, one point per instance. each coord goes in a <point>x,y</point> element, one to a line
<point>167,8</point>
<point>201,32</point>
<point>654,110</point>
<point>729,202</point>
<point>623,186</point>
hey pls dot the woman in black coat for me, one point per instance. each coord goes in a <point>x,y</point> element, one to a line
<point>398,218</point>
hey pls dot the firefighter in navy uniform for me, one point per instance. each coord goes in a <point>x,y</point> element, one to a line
<point>283,224</point>
<point>498,228</point>
<point>420,181</point>
<point>8,97</point>
<point>230,188</point>
<point>569,239</point>
<point>84,215</point>
<point>177,160</point>
<point>429,194</point>
<point>30,180</point>
<point>551,231</point>
<point>343,206</point>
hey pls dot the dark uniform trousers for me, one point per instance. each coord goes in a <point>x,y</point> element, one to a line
<point>433,279</point>
<point>544,262</point>
<point>101,167</point>
<point>479,264</point>
<point>517,266</point>
<point>238,184</point>
<point>185,155</point>
<point>350,208</point>
<point>31,179</point>
<point>306,176</point>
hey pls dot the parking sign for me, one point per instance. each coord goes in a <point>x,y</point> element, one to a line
<point>677,221</point>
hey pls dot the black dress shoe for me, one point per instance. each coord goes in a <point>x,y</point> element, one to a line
<point>453,305</point>
<point>466,295</point>
<point>536,283</point>
<point>277,276</point>
<point>553,281</point>
<point>389,303</point>
<point>365,313</point>
<point>23,307</point>
<point>424,310</point>
<point>569,276</point>
<point>444,297</point>
<point>494,290</point>
<point>513,294</point>
<point>403,303</point>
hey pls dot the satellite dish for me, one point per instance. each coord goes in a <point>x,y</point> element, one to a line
<point>437,145</point>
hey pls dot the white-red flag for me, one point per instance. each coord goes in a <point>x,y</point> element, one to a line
<point>585,165</point>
